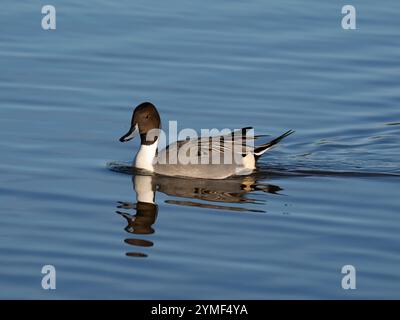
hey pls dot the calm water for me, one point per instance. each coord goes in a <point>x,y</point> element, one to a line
<point>327,197</point>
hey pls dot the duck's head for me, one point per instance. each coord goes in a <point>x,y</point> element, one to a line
<point>146,122</point>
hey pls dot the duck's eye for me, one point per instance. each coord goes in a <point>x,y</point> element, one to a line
<point>147,116</point>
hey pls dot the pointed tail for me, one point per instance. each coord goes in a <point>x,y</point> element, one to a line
<point>259,150</point>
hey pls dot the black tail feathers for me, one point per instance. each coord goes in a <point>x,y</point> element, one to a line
<point>258,151</point>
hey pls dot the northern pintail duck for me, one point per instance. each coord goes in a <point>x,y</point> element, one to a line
<point>198,159</point>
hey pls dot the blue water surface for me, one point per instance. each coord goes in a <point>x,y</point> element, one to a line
<point>328,196</point>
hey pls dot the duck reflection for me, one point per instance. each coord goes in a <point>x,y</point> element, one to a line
<point>190,192</point>
<point>146,213</point>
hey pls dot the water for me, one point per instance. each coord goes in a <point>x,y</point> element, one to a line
<point>326,197</point>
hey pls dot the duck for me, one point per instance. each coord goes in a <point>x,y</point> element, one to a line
<point>194,157</point>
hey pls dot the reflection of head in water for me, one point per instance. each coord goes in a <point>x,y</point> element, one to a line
<point>141,222</point>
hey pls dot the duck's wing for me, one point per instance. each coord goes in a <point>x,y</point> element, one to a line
<point>238,142</point>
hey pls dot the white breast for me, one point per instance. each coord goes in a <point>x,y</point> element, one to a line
<point>145,156</point>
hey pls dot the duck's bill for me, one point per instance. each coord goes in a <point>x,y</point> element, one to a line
<point>133,131</point>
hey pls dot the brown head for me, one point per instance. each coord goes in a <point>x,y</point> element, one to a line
<point>145,120</point>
